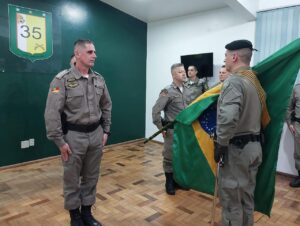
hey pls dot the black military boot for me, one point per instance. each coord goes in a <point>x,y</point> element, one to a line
<point>170,187</point>
<point>87,217</point>
<point>76,218</point>
<point>296,182</point>
<point>178,186</point>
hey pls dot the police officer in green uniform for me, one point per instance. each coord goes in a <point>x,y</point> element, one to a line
<point>78,118</point>
<point>238,146</point>
<point>171,101</point>
<point>195,85</point>
<point>293,121</point>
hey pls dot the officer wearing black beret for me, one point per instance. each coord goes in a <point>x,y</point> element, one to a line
<point>240,44</point>
<point>239,110</point>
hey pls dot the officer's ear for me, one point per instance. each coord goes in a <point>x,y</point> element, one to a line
<point>235,57</point>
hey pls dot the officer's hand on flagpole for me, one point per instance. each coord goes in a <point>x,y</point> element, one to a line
<point>65,151</point>
<point>219,153</point>
<point>164,133</point>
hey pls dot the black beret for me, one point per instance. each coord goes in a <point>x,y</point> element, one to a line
<point>240,44</point>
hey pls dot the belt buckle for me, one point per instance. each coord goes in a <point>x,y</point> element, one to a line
<point>238,142</point>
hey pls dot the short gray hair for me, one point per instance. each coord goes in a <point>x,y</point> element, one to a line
<point>176,66</point>
<point>82,42</point>
<point>244,54</point>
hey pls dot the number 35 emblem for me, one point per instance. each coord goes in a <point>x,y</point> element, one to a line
<point>30,33</point>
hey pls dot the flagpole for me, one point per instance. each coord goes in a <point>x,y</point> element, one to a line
<point>213,211</point>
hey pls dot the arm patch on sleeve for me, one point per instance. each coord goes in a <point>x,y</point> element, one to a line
<point>164,92</point>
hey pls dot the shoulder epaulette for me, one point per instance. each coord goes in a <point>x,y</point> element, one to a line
<point>96,73</point>
<point>61,74</point>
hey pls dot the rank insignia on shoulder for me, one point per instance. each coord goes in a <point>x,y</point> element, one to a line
<point>55,90</point>
<point>164,92</point>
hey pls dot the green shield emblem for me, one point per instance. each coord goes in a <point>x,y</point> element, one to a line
<point>30,33</point>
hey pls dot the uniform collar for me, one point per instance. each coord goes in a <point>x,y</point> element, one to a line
<point>243,68</point>
<point>190,81</point>
<point>78,75</point>
<point>175,86</point>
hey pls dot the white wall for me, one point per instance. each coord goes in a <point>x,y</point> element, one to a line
<point>198,33</point>
<point>267,4</point>
<point>201,33</point>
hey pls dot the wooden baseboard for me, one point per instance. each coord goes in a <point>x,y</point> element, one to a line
<point>156,142</point>
<point>58,156</point>
<point>285,174</point>
<point>28,162</point>
<point>123,143</point>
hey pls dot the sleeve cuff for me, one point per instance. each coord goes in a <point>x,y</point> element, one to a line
<point>108,133</point>
<point>59,142</point>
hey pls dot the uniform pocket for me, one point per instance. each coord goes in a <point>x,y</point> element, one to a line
<point>99,90</point>
<point>74,98</point>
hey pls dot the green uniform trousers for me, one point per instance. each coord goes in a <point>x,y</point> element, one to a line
<point>81,171</point>
<point>237,181</point>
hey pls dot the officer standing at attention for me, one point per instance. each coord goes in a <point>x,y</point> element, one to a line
<point>293,121</point>
<point>81,95</point>
<point>241,106</point>
<point>195,85</point>
<point>171,101</point>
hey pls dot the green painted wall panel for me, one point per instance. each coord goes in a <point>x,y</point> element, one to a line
<point>120,42</point>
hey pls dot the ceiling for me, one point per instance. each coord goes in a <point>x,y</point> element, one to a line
<point>155,10</point>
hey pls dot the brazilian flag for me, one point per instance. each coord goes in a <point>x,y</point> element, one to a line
<point>193,160</point>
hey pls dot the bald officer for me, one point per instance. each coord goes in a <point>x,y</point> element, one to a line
<point>293,121</point>
<point>171,101</point>
<point>195,85</point>
<point>238,144</point>
<point>78,118</point>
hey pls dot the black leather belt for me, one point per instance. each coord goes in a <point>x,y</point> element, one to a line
<point>296,119</point>
<point>241,141</point>
<point>83,128</point>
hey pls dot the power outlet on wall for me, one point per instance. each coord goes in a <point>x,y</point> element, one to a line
<point>27,143</point>
<point>31,142</point>
<point>24,144</point>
